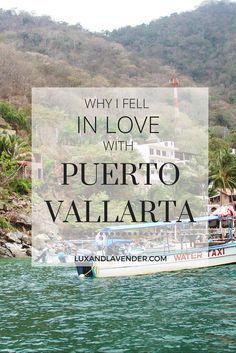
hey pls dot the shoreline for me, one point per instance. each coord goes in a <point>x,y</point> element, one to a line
<point>15,244</point>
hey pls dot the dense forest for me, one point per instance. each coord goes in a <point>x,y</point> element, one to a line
<point>35,51</point>
<point>200,44</point>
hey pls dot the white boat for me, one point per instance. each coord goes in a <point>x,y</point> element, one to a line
<point>220,249</point>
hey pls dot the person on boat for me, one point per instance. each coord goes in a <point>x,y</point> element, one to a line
<point>61,256</point>
<point>101,241</point>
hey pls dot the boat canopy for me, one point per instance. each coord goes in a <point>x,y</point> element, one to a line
<point>157,224</point>
<point>111,242</point>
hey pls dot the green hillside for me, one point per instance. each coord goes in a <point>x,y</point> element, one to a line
<point>63,55</point>
<point>200,44</point>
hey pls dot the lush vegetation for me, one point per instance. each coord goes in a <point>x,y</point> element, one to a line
<point>35,51</point>
<point>21,186</point>
<point>200,44</point>
<point>17,118</point>
<point>13,147</point>
<point>222,163</point>
<point>4,224</point>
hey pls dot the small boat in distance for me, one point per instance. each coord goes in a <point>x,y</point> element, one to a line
<point>209,241</point>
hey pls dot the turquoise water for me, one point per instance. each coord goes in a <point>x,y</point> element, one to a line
<point>52,310</point>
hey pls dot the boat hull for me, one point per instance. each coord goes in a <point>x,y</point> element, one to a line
<point>199,258</point>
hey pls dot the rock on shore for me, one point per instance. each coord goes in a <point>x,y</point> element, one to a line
<point>15,244</point>
<point>17,212</point>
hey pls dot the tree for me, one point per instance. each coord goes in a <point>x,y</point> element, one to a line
<point>8,168</point>
<point>14,147</point>
<point>223,171</point>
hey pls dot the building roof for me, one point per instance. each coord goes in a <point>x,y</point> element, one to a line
<point>227,192</point>
<point>24,163</point>
<point>156,224</point>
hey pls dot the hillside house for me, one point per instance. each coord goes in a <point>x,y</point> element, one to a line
<point>32,168</point>
<point>223,197</point>
<point>161,152</point>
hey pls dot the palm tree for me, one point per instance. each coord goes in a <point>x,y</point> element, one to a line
<point>12,150</point>
<point>223,171</point>
<point>15,147</point>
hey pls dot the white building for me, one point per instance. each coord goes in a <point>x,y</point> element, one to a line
<point>161,152</point>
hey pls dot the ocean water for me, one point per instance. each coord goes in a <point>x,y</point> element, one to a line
<point>52,310</point>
